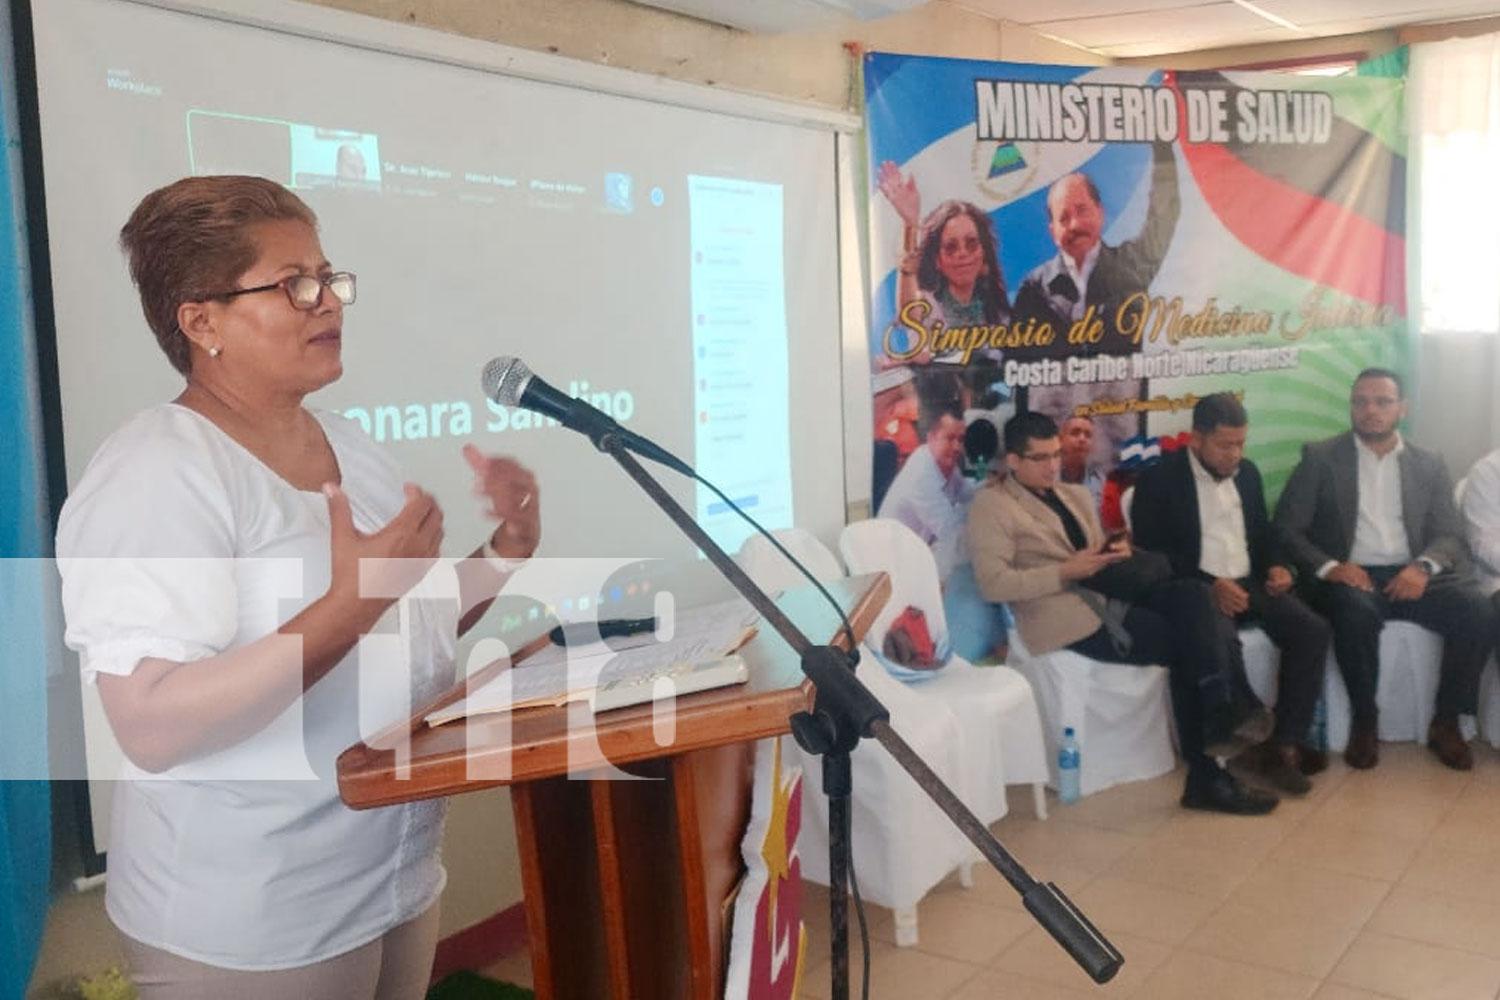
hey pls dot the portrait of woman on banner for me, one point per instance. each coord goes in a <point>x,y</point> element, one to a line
<point>950,263</point>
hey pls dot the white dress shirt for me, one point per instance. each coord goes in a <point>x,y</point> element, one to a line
<point>935,506</point>
<point>1379,532</point>
<point>1222,518</point>
<point>1080,276</point>
<point>1093,481</point>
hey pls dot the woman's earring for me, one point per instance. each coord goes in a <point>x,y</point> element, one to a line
<point>213,352</point>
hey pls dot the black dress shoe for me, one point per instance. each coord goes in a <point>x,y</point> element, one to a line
<point>1234,728</point>
<point>1310,760</point>
<point>1277,764</point>
<point>1363,751</point>
<point>1216,790</point>
<point>1447,741</point>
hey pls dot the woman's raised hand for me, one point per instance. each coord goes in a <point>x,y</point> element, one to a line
<point>901,191</point>
<point>403,551</point>
<point>513,499</point>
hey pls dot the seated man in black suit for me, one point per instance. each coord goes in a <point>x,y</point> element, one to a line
<point>1369,520</point>
<point>1205,507</point>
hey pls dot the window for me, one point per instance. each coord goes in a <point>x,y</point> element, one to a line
<point>1453,111</point>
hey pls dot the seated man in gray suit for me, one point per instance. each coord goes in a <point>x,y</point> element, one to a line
<point>1204,506</point>
<point>1369,520</point>
<point>1037,544</point>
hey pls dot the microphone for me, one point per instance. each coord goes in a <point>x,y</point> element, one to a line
<point>509,382</point>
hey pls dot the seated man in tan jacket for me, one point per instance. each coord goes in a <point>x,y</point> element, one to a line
<point>1036,544</point>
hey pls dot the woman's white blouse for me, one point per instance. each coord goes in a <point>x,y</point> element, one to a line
<point>178,544</point>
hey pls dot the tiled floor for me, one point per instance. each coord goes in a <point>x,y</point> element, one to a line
<point>1380,884</point>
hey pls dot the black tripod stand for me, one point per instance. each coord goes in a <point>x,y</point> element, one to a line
<point>844,712</point>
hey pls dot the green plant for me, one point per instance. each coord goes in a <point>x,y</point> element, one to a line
<point>465,985</point>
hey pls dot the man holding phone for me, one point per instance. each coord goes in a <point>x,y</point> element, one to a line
<point>1036,543</point>
<point>1205,507</point>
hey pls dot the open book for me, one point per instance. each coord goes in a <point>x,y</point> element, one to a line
<point>559,674</point>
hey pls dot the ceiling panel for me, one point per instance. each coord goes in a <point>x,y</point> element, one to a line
<point>1030,12</point>
<point>1183,28</point>
<point>1352,26</point>
<point>1387,12</point>
<point>1138,28</point>
<point>1139,50</point>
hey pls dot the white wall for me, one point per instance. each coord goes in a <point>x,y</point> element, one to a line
<point>1452,401</point>
<point>808,67</point>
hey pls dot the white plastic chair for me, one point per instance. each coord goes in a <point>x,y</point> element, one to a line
<point>1121,715</point>
<point>903,844</point>
<point>1406,693</point>
<point>1410,658</point>
<point>1001,727</point>
<point>1262,663</point>
<point>1488,721</point>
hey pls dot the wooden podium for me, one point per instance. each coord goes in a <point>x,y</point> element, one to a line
<point>625,880</point>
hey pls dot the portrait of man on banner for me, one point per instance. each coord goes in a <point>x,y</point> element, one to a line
<point>1083,287</point>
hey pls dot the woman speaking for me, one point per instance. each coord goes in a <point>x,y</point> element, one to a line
<point>212,582</point>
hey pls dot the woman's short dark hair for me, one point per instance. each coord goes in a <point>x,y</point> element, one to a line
<point>190,240</point>
<point>990,287</point>
<point>1024,428</point>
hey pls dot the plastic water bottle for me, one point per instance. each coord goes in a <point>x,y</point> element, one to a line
<point>1067,768</point>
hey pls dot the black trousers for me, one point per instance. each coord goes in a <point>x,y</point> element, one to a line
<point>1495,601</point>
<point>1303,636</point>
<point>1452,606</point>
<point>1176,624</point>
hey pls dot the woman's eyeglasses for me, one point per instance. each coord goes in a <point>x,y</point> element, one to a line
<point>967,245</point>
<point>305,291</point>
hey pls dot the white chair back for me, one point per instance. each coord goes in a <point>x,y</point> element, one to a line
<point>770,569</point>
<point>883,544</point>
<point>1459,488</point>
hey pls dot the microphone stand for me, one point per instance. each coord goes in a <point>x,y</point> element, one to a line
<point>844,712</point>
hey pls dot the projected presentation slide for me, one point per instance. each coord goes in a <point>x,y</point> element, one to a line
<point>676,268</point>
<point>739,353</point>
